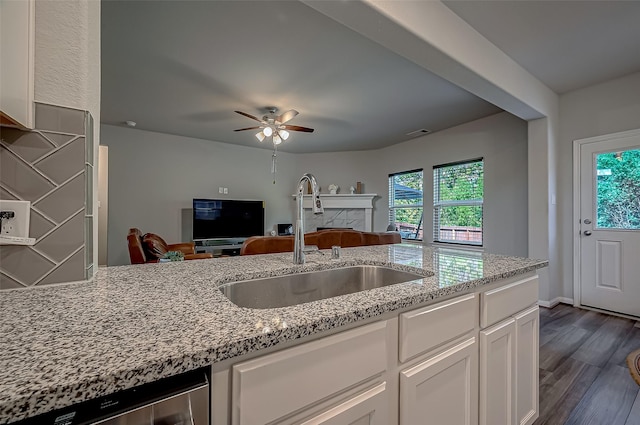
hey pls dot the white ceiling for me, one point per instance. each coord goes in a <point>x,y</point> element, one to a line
<point>183,67</point>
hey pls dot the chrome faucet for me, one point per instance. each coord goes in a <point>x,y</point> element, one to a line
<point>298,249</point>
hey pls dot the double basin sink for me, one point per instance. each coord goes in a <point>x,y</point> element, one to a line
<point>299,288</point>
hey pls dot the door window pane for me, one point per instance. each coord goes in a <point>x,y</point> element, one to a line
<point>618,190</point>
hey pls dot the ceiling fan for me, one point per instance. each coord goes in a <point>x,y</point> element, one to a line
<point>272,125</point>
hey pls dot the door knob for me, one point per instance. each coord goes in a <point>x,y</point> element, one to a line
<point>587,233</point>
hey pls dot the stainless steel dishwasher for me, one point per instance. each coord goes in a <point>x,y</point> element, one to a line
<point>178,400</point>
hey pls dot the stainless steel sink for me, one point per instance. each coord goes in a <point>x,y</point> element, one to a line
<point>293,289</point>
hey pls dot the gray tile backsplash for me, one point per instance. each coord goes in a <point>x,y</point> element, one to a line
<point>64,240</point>
<point>59,119</point>
<point>65,162</point>
<point>29,146</point>
<point>39,225</point>
<point>48,166</point>
<point>62,203</point>
<point>20,179</point>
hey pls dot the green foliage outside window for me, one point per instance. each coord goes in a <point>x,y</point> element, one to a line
<point>409,215</point>
<point>618,182</point>
<point>460,183</point>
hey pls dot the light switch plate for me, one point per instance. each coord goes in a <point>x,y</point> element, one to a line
<point>19,224</point>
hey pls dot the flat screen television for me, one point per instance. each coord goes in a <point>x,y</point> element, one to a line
<point>226,218</point>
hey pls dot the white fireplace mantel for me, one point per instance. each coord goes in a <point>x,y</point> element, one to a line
<point>347,202</point>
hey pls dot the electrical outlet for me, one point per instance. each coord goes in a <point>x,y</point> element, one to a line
<point>19,224</point>
<point>221,190</point>
<point>226,190</point>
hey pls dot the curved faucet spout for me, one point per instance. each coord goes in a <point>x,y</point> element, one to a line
<point>298,250</point>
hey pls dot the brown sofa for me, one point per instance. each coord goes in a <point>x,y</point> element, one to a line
<point>148,248</point>
<point>324,239</point>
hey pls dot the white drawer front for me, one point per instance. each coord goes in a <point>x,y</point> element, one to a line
<point>500,303</point>
<point>275,385</point>
<point>426,328</point>
<point>368,408</point>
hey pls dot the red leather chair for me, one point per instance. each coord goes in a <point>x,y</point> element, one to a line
<point>148,248</point>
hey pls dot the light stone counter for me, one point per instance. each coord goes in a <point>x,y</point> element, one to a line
<point>135,324</point>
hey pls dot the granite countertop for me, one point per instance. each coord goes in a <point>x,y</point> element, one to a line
<point>135,324</point>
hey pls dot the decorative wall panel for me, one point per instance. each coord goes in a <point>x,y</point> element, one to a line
<point>47,166</point>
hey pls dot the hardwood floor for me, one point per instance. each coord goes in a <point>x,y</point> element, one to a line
<point>584,379</point>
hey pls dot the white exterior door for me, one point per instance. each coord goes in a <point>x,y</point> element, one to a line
<point>610,223</point>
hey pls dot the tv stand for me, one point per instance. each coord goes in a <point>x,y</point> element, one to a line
<point>220,246</point>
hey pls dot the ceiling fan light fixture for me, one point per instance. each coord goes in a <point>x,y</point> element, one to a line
<point>267,131</point>
<point>276,139</point>
<point>284,134</point>
<point>260,136</point>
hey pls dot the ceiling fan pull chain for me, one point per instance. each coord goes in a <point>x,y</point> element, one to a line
<point>273,163</point>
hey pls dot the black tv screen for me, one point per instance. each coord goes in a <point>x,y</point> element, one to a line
<point>224,218</point>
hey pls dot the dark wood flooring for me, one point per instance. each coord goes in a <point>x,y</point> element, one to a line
<point>584,379</point>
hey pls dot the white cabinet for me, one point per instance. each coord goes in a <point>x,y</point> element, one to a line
<point>497,377</point>
<point>468,360</point>
<point>276,386</point>
<point>17,33</point>
<point>443,389</point>
<point>527,334</point>
<point>368,408</point>
<point>509,354</point>
<point>424,329</point>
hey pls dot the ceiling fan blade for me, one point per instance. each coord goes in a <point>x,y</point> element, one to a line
<point>297,128</point>
<point>248,115</point>
<point>290,114</point>
<point>248,128</point>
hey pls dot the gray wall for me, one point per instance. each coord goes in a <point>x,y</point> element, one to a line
<point>601,109</point>
<point>153,178</point>
<point>501,139</point>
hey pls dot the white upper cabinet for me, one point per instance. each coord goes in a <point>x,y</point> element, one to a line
<point>17,46</point>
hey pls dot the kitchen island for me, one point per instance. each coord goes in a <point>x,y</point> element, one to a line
<point>136,324</point>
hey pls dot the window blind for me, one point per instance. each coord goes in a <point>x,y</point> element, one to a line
<point>405,203</point>
<point>458,191</point>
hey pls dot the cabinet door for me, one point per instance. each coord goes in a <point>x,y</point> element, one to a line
<point>368,408</point>
<point>269,388</point>
<point>17,32</point>
<point>497,377</point>
<point>527,330</point>
<point>443,389</point>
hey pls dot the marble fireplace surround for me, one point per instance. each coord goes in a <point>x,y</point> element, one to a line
<point>341,210</point>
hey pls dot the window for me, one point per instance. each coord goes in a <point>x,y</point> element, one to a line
<point>458,191</point>
<point>405,203</point>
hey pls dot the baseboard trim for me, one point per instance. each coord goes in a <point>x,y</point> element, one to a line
<point>554,302</point>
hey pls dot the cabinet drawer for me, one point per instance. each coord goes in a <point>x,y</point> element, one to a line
<point>426,328</point>
<point>368,408</point>
<point>500,303</point>
<point>273,386</point>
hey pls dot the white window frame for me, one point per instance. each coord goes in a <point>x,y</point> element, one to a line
<point>393,206</point>
<point>438,204</point>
